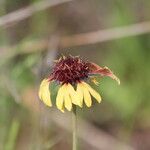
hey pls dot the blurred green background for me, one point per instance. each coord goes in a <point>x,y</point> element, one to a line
<point>27,50</point>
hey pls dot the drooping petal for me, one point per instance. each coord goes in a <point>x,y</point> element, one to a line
<point>103,71</point>
<point>80,94</point>
<point>44,92</point>
<point>95,94</point>
<point>41,88</point>
<point>73,94</point>
<point>67,98</point>
<point>87,96</point>
<point>60,98</point>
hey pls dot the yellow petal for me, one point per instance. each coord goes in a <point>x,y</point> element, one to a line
<point>73,94</point>
<point>44,92</point>
<point>41,88</point>
<point>60,99</point>
<point>87,96</point>
<point>80,94</point>
<point>95,94</point>
<point>67,99</point>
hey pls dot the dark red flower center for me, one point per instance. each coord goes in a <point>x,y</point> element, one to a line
<point>70,70</point>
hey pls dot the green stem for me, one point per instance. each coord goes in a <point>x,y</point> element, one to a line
<point>12,136</point>
<point>74,128</point>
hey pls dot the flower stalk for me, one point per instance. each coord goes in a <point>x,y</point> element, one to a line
<point>74,128</point>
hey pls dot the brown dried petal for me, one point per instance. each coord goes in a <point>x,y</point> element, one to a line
<point>103,71</point>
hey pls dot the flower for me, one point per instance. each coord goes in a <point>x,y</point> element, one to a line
<point>73,74</point>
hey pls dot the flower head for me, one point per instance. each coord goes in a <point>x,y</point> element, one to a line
<point>72,74</point>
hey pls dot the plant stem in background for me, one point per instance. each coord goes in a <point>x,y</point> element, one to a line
<point>12,135</point>
<point>74,128</point>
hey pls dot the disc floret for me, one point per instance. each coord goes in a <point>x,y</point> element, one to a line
<point>70,70</point>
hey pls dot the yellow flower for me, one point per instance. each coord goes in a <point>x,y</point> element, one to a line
<point>72,73</point>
